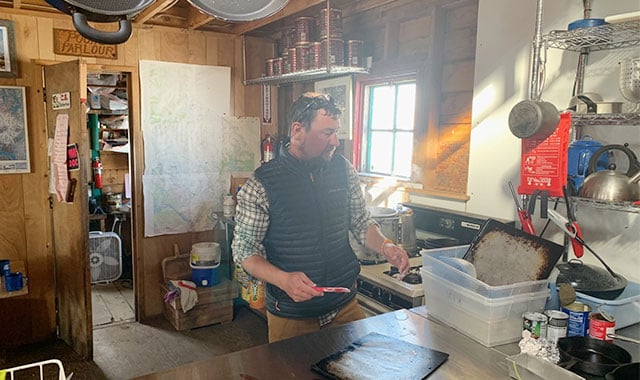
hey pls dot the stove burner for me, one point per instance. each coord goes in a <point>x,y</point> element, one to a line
<point>412,277</point>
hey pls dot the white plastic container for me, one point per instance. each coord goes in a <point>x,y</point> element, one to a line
<point>431,261</point>
<point>205,254</point>
<point>228,206</point>
<point>491,322</point>
<point>625,308</point>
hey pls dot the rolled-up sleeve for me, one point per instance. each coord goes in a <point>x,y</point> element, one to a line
<point>360,216</point>
<point>252,221</point>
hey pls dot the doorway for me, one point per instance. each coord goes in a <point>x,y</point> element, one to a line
<point>111,254</point>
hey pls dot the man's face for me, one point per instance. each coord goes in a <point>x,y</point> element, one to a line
<point>320,140</point>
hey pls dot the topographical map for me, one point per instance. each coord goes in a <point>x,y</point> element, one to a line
<point>14,139</point>
<point>185,174</point>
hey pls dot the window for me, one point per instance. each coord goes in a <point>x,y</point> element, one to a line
<point>387,111</point>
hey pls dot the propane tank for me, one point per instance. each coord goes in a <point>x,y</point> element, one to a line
<point>267,149</point>
<point>97,173</point>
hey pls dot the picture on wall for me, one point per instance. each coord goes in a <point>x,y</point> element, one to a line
<point>14,136</point>
<point>340,91</point>
<point>8,61</point>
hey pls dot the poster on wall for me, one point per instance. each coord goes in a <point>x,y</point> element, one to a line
<point>14,136</point>
<point>185,177</point>
<point>8,60</point>
<point>340,90</point>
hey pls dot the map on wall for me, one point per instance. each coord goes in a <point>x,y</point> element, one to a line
<point>185,175</point>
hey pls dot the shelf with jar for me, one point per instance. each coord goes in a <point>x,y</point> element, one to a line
<point>309,48</point>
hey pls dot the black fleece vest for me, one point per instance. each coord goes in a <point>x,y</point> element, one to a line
<point>308,231</point>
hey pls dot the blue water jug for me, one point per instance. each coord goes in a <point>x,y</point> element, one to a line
<point>580,151</point>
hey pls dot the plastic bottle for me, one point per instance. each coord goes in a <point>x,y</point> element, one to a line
<point>228,206</point>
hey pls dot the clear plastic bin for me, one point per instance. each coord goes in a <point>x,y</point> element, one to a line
<point>625,308</point>
<point>431,262</point>
<point>489,321</point>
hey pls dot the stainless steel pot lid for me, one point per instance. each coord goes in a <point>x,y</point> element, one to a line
<point>111,7</point>
<point>238,10</point>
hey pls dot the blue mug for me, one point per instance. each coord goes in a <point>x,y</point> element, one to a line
<point>580,152</point>
<point>5,268</point>
<point>13,281</point>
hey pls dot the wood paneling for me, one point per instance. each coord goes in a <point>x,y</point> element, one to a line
<point>24,212</point>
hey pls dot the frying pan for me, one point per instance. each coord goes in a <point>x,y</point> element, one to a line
<point>236,11</point>
<point>591,280</point>
<point>591,356</point>
<point>624,372</point>
<point>102,11</point>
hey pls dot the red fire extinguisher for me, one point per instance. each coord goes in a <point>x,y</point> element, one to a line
<point>267,149</point>
<point>97,173</point>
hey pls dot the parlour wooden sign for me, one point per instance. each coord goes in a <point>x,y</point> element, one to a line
<point>70,42</point>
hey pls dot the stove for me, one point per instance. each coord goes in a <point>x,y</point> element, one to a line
<point>379,288</point>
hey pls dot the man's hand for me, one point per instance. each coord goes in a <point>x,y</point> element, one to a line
<point>397,257</point>
<point>299,287</point>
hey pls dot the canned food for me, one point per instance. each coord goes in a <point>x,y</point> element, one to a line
<point>286,65</point>
<point>293,60</point>
<point>578,324</point>
<point>335,53</point>
<point>304,26</point>
<point>600,327</point>
<point>536,323</point>
<point>315,58</point>
<point>354,53</point>
<point>268,67</point>
<point>277,66</point>
<point>556,325</point>
<point>330,23</point>
<point>302,57</point>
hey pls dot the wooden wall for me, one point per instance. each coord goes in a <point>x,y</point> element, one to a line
<point>24,207</point>
<point>436,41</point>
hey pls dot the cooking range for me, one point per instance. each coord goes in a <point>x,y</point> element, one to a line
<point>380,290</point>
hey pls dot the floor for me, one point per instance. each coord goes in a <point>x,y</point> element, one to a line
<point>124,349</point>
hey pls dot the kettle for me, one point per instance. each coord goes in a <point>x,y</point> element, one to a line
<point>610,185</point>
<point>579,154</point>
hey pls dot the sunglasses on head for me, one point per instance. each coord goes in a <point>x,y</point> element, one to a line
<point>316,99</point>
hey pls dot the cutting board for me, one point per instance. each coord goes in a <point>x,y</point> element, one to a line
<point>504,255</point>
<point>380,357</point>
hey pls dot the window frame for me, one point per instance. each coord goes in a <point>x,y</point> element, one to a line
<point>360,104</point>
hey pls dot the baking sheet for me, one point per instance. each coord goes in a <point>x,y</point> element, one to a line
<point>504,255</point>
<point>380,357</point>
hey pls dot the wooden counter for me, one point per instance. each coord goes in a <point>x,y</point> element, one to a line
<point>292,358</point>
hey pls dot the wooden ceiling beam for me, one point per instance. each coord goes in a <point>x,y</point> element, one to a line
<point>196,18</point>
<point>154,9</point>
<point>17,3</point>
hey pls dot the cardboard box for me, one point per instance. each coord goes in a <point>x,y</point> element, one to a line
<point>236,183</point>
<point>215,304</point>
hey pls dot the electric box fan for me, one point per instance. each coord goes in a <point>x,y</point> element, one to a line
<point>105,256</point>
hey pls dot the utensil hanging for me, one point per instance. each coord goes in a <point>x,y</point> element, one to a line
<point>238,11</point>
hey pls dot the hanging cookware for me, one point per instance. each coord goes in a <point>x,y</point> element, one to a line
<point>102,11</point>
<point>580,152</point>
<point>237,11</point>
<point>591,280</point>
<point>591,356</point>
<point>610,185</point>
<point>533,119</point>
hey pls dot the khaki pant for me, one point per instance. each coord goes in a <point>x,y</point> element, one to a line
<point>283,328</point>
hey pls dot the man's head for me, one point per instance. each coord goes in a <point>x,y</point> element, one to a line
<point>314,123</point>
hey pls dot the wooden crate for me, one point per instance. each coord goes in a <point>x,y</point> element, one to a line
<point>215,304</point>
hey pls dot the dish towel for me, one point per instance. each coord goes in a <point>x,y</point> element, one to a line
<point>187,292</point>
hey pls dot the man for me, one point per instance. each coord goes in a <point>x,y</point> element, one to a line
<point>292,226</point>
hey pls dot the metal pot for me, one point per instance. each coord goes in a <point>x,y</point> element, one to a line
<point>407,227</point>
<point>591,280</point>
<point>237,11</point>
<point>102,11</point>
<point>533,119</point>
<point>591,356</point>
<point>610,185</point>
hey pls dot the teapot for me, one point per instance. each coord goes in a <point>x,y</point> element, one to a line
<point>609,185</point>
<point>579,154</point>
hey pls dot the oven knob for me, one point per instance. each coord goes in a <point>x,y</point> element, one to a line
<point>447,223</point>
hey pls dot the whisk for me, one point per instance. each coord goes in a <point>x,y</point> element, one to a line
<point>629,84</point>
